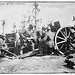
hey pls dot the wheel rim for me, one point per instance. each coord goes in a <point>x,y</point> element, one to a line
<point>63,39</point>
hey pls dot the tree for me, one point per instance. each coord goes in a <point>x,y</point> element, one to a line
<point>14,27</point>
<point>3,24</point>
<point>35,10</point>
<point>31,17</point>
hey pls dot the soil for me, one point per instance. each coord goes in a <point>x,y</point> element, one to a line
<point>35,64</point>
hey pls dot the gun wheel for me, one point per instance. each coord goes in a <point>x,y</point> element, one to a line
<point>64,39</point>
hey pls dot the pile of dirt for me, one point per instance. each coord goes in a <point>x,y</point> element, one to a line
<point>35,64</point>
<point>6,65</point>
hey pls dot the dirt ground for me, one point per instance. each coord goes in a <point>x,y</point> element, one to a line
<point>35,64</point>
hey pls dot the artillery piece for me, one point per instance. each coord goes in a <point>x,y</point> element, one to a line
<point>64,41</point>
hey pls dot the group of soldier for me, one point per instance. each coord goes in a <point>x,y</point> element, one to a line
<point>31,40</point>
<point>42,40</point>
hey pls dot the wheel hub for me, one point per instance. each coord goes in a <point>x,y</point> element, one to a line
<point>68,40</point>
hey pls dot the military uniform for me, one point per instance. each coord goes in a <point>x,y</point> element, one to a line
<point>3,45</point>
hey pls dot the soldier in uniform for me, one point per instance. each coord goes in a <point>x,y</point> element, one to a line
<point>3,45</point>
<point>46,45</point>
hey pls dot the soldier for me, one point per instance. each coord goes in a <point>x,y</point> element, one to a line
<point>3,45</point>
<point>49,40</point>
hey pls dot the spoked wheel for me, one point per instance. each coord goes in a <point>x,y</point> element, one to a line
<point>64,39</point>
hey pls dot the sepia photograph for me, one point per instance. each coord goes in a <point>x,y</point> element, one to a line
<point>37,37</point>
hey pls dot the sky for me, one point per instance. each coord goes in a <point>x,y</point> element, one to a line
<point>62,12</point>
